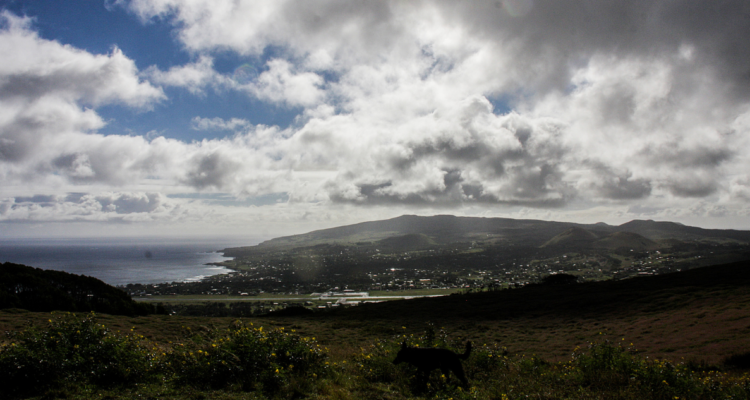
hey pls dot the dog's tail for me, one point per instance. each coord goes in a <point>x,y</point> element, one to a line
<point>467,352</point>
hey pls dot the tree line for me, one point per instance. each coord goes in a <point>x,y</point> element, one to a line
<point>36,289</point>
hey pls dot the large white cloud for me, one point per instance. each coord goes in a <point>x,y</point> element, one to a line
<point>615,104</point>
<point>40,69</point>
<point>614,100</point>
<point>48,92</point>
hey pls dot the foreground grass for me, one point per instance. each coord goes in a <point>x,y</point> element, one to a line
<point>77,356</point>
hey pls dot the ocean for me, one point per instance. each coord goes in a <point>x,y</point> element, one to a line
<point>122,261</point>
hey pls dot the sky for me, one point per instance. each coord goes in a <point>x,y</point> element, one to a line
<point>208,118</point>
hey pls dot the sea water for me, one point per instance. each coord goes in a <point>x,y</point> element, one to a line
<point>122,261</point>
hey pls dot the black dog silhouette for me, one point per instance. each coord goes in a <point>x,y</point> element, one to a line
<point>429,359</point>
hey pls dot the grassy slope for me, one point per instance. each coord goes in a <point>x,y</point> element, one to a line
<point>701,314</point>
<point>440,228</point>
<point>449,229</point>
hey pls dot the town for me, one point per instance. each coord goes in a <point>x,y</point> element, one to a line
<point>307,276</point>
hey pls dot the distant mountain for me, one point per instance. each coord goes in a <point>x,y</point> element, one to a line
<point>445,229</point>
<point>575,238</point>
<point>671,230</point>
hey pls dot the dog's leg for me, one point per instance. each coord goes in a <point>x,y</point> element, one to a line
<point>458,370</point>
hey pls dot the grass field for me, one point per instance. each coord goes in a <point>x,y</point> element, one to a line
<point>536,357</point>
<point>587,341</point>
<point>374,295</point>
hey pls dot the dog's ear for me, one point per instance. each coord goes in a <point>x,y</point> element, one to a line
<point>403,344</point>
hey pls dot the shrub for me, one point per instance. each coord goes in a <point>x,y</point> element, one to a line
<point>72,350</point>
<point>600,370</point>
<point>610,366</point>
<point>245,355</point>
<point>375,363</point>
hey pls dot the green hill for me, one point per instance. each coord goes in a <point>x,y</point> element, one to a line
<point>37,289</point>
<point>447,229</point>
<point>579,238</point>
<point>627,240</point>
<point>573,237</point>
<point>412,241</point>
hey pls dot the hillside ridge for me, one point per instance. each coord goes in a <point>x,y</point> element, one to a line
<point>445,229</point>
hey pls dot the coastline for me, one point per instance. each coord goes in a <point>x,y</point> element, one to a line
<point>118,263</point>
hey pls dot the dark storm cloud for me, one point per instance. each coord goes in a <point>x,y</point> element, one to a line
<point>535,187</point>
<point>624,188</point>
<point>37,198</point>
<point>700,156</point>
<point>557,35</point>
<point>16,142</point>
<point>616,185</point>
<point>692,185</point>
<point>211,170</point>
<point>98,165</point>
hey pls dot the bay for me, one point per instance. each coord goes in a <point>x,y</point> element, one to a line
<point>123,261</point>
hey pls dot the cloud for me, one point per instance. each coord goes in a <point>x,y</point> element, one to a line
<point>615,185</point>
<point>46,93</point>
<point>207,124</point>
<point>563,34</point>
<point>42,69</point>
<point>282,85</point>
<point>611,103</point>
<point>129,203</point>
<point>461,154</point>
<point>614,101</point>
<point>211,170</point>
<point>194,76</point>
<point>108,206</point>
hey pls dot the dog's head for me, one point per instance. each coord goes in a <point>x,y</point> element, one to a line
<point>401,356</point>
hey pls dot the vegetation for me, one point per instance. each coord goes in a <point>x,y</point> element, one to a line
<point>545,304</point>
<point>602,369</point>
<point>71,350</point>
<point>46,290</point>
<point>75,356</point>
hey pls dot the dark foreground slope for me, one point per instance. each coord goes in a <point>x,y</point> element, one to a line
<point>36,289</point>
<point>700,314</point>
<point>589,299</point>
